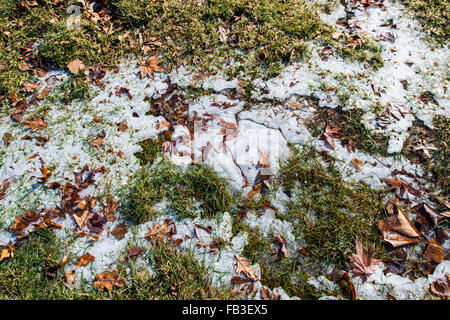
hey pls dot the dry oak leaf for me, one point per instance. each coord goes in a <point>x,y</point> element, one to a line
<point>434,252</point>
<point>35,124</point>
<point>330,135</point>
<point>29,87</point>
<point>69,279</point>
<point>75,66</point>
<point>158,232</point>
<point>244,266</point>
<point>84,259</point>
<point>362,264</point>
<point>398,230</point>
<point>107,280</point>
<point>151,65</point>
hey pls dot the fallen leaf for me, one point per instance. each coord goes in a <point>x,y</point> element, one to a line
<point>158,232</point>
<point>19,111</point>
<point>330,135</point>
<point>441,287</point>
<point>98,142</point>
<point>363,265</point>
<point>282,251</point>
<point>123,126</point>
<point>434,252</point>
<point>134,252</point>
<point>7,253</point>
<point>120,231</point>
<point>75,66</point>
<point>398,230</point>
<point>84,259</point>
<point>35,124</point>
<point>244,266</point>
<point>264,161</point>
<point>356,162</point>
<point>107,280</point>
<point>151,65</point>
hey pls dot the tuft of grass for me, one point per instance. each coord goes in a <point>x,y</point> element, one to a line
<point>196,189</point>
<point>329,224</point>
<point>151,149</point>
<point>434,16</point>
<point>277,29</point>
<point>438,164</point>
<point>351,124</point>
<point>177,276</point>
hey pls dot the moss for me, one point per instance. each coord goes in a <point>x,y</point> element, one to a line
<point>329,225</point>
<point>197,189</point>
<point>151,149</point>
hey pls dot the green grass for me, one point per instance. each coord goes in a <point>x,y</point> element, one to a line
<point>276,29</point>
<point>329,224</point>
<point>151,149</point>
<point>197,189</point>
<point>178,275</point>
<point>437,165</point>
<point>351,124</point>
<point>27,275</point>
<point>434,16</point>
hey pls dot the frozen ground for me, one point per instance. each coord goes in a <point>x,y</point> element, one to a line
<point>233,139</point>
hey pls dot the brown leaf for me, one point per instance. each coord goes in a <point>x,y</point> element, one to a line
<point>81,218</point>
<point>36,124</point>
<point>123,126</point>
<point>96,222</point>
<point>29,87</point>
<point>7,253</point>
<point>264,161</point>
<point>120,231</point>
<point>441,287</point>
<point>18,113</point>
<point>158,232</point>
<point>3,187</point>
<point>282,251</point>
<point>363,264</point>
<point>134,252</point>
<point>75,66</point>
<point>244,266</point>
<point>398,230</point>
<point>69,279</point>
<point>356,162</point>
<point>98,142</point>
<point>434,252</point>
<point>151,65</point>
<point>84,259</point>
<point>94,73</point>
<point>107,280</point>
<point>330,135</point>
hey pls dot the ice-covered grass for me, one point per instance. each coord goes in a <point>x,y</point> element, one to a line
<point>238,127</point>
